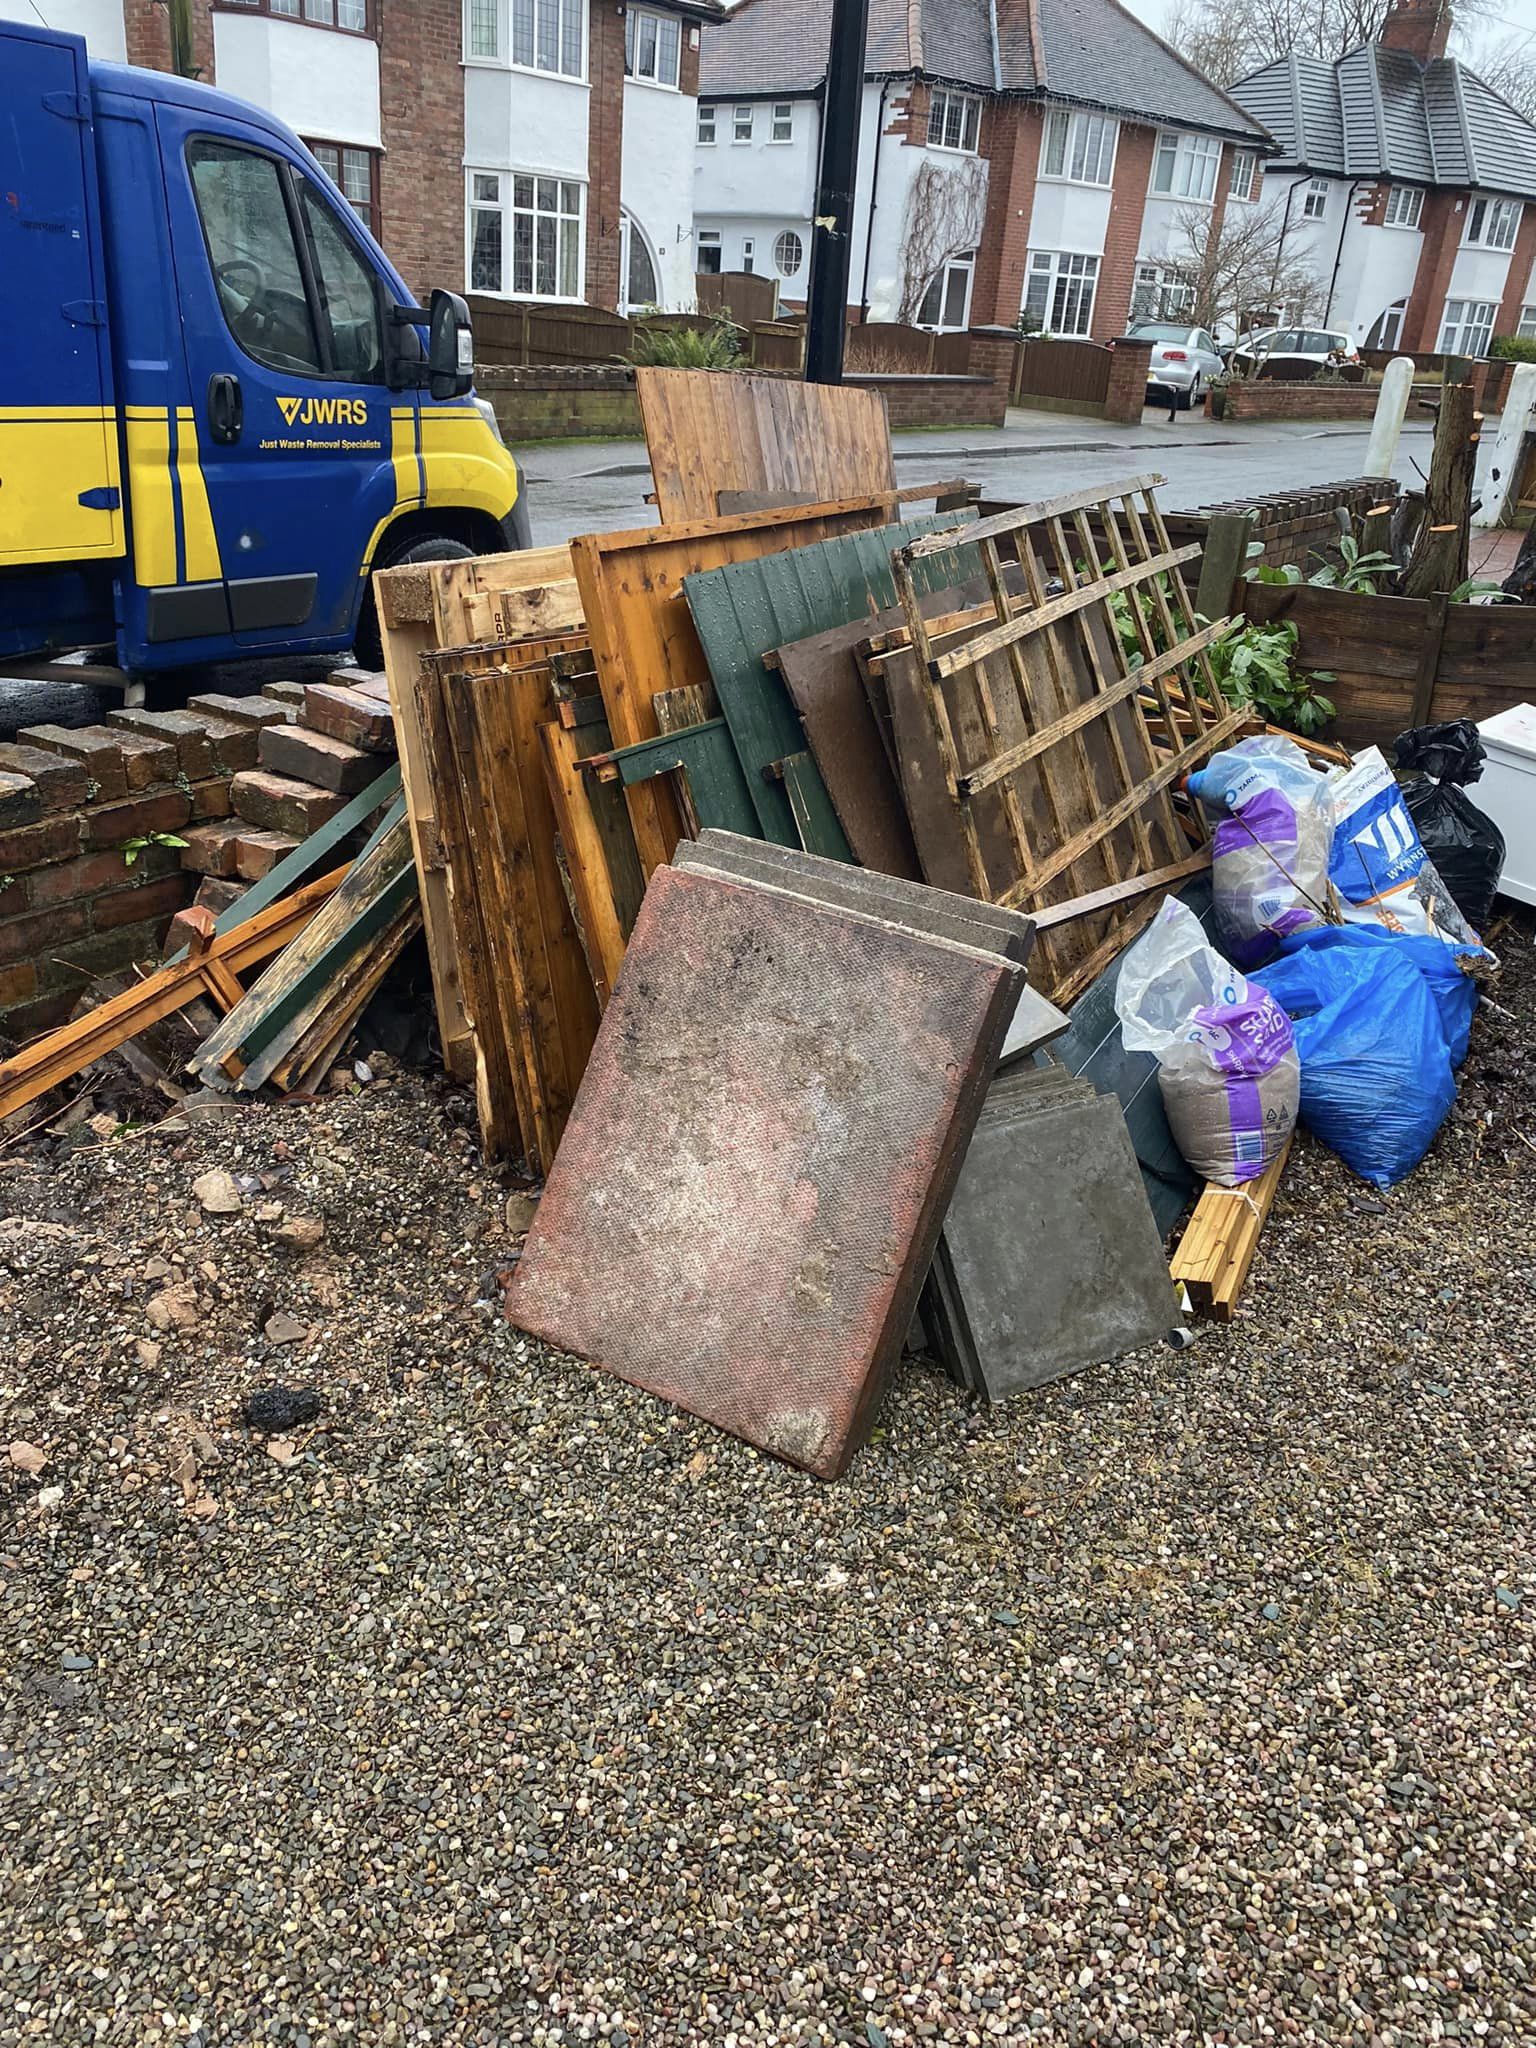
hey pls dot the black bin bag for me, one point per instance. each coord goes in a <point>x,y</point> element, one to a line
<point>1464,843</point>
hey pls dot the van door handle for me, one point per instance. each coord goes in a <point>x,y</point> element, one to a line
<point>226,407</point>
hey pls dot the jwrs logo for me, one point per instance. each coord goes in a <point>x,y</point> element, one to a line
<point>324,412</point>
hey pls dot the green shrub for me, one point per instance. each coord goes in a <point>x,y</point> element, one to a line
<point>715,347</point>
<point>1513,348</point>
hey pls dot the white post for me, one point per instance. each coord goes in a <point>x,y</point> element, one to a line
<point>1396,384</point>
<point>1498,466</point>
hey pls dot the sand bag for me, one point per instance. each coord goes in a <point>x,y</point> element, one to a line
<point>1226,1060</point>
<point>1269,851</point>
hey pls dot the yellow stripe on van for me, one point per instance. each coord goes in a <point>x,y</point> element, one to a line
<point>147,432</point>
<point>49,455</point>
<point>198,535</point>
<point>466,464</point>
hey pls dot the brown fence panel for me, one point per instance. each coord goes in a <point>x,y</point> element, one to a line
<point>500,330</point>
<point>777,345</point>
<point>741,293</point>
<point>1074,370</point>
<point>560,335</point>
<point>884,347</point>
<point>951,355</point>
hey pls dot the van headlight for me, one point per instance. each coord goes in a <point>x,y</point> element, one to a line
<point>487,412</point>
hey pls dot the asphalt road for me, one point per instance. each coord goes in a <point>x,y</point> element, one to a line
<point>592,487</point>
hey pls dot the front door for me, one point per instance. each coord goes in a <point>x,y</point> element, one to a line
<point>297,432</point>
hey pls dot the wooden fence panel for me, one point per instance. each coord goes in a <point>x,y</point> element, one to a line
<point>742,293</point>
<point>1074,370</point>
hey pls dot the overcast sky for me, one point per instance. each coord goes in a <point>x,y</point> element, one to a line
<point>1506,17</point>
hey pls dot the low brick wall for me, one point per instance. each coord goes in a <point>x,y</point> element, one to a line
<point>239,780</point>
<point>1264,399</point>
<point>599,400</point>
<point>1292,526</point>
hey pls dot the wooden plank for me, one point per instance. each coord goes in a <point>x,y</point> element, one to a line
<point>643,638</point>
<point>1216,1253</point>
<point>1002,525</point>
<point>783,439</point>
<point>524,614</point>
<point>1429,659</point>
<point>63,1053</point>
<point>1223,563</point>
<point>589,823</point>
<point>705,754</point>
<point>321,1046</point>
<point>405,642</point>
<point>1121,892</point>
<point>816,823</point>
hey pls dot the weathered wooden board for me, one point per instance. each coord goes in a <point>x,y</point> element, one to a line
<point>643,639</point>
<point>599,847</point>
<point>769,435</point>
<point>821,674</point>
<point>745,609</point>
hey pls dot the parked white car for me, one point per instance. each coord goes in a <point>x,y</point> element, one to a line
<point>1184,359</point>
<point>1293,351</point>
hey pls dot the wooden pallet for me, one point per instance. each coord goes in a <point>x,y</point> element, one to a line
<point>1221,1237</point>
<point>1024,744</point>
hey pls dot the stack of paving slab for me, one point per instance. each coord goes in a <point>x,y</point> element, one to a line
<point>1050,1258</point>
<point>753,1178</point>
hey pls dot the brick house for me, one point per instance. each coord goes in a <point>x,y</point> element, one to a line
<point>1036,156</point>
<point>1407,185</point>
<point>535,149</point>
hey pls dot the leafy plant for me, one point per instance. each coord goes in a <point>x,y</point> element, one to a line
<point>1478,588</point>
<point>132,848</point>
<point>1254,667</point>
<point>1513,348</point>
<point>715,347</point>
<point>1360,569</point>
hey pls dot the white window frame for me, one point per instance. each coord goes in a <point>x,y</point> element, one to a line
<point>708,109</point>
<point>1079,148</point>
<point>708,238</point>
<point>631,231</point>
<point>963,267</point>
<point>1466,322</point>
<point>1164,285</point>
<point>1389,329</point>
<point>742,116</point>
<point>778,260</point>
<point>1526,329</point>
<point>1404,207</point>
<point>498,14</point>
<point>1066,268</point>
<point>1314,203</point>
<point>568,14</point>
<point>1245,165</point>
<point>1192,162</point>
<point>781,114</point>
<point>965,107</point>
<point>1487,219</point>
<point>506,203</point>
<point>749,254</point>
<point>664,28</point>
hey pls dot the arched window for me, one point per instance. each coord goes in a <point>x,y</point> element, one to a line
<point>637,267</point>
<point>788,253</point>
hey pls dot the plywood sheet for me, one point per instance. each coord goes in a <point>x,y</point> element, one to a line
<point>771,436</point>
<point>752,1180</point>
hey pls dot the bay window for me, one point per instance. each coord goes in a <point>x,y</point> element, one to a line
<point>954,121</point>
<point>1079,148</point>
<point>525,235</point>
<point>652,46</point>
<point>1467,327</point>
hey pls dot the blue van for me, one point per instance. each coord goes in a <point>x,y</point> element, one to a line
<point>220,408</point>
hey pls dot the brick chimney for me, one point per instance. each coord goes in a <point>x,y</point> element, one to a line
<point>1421,27</point>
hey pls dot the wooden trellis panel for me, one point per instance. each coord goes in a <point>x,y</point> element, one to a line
<point>1032,725</point>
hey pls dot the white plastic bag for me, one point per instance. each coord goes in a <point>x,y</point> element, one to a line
<point>1269,852</point>
<point>1226,1057</point>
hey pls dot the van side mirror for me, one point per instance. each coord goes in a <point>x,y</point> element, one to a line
<point>451,347</point>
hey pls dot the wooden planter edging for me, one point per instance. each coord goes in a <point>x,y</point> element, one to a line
<point>1403,661</point>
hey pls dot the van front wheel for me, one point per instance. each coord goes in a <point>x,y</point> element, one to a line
<point>368,642</point>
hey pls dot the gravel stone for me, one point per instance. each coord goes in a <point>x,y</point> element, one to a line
<point>518,1708</point>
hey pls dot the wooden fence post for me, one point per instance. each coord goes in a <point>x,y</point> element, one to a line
<point>1429,659</point>
<point>1227,535</point>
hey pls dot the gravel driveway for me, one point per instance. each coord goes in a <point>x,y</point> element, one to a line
<point>1187,1701</point>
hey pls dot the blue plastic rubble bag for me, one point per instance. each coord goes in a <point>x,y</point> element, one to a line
<point>1454,991</point>
<point>1376,1067</point>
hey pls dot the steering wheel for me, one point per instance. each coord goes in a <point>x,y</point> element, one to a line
<point>226,275</point>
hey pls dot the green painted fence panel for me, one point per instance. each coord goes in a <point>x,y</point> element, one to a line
<point>746,609</point>
<point>708,758</point>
